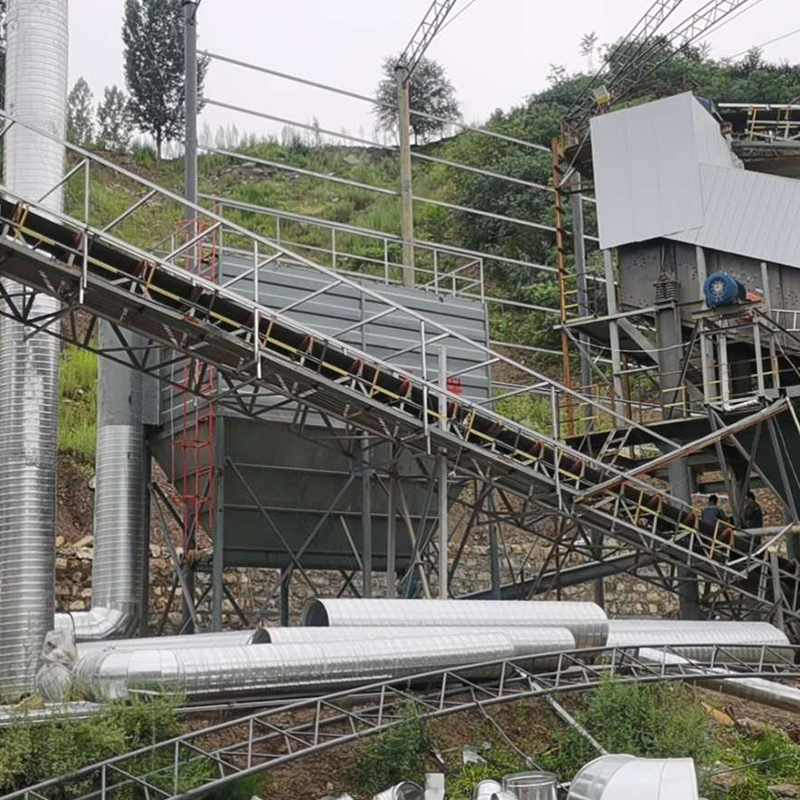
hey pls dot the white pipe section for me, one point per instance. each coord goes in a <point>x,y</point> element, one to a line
<point>526,641</point>
<point>257,669</point>
<point>759,690</point>
<point>696,639</point>
<point>120,503</point>
<point>226,639</point>
<point>585,621</point>
<point>36,93</point>
<point>623,777</point>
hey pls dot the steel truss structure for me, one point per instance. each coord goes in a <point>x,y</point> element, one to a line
<point>269,362</point>
<point>269,739</point>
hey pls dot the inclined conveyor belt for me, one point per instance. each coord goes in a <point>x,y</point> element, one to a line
<point>179,310</point>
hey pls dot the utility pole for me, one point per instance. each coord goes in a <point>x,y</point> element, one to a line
<point>426,31</point>
<point>190,155</point>
<point>406,188</point>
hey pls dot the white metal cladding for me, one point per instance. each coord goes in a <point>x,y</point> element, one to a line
<point>585,621</point>
<point>664,169</point>
<point>748,213</point>
<point>526,641</point>
<point>36,93</point>
<point>645,167</point>
<point>209,671</point>
<point>744,638</point>
<point>623,777</point>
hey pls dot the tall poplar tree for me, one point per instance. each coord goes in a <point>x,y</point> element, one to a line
<point>153,38</point>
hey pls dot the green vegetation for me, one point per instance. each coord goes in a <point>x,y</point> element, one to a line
<point>397,755</point>
<point>77,412</point>
<point>33,753</point>
<point>763,761</point>
<point>648,720</point>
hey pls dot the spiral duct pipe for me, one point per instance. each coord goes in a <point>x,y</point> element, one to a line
<point>226,639</point>
<point>759,690</point>
<point>741,640</point>
<point>36,93</point>
<point>299,668</point>
<point>120,503</point>
<point>526,641</point>
<point>586,622</point>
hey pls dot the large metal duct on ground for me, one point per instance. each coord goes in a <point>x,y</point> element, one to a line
<point>36,93</point>
<point>526,641</point>
<point>226,639</point>
<point>298,668</point>
<point>741,640</point>
<point>119,570</point>
<point>586,622</point>
<point>759,690</point>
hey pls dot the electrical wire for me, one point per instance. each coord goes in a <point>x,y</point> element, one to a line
<point>764,44</point>
<point>453,19</point>
<point>724,22</point>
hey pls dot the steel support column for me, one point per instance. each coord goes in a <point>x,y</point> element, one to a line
<point>218,564</point>
<point>406,188</point>
<point>366,518</point>
<point>669,357</point>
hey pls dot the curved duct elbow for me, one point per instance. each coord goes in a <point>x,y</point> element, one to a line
<point>120,503</point>
<point>586,622</point>
<point>621,776</point>
<point>36,93</point>
<point>297,668</point>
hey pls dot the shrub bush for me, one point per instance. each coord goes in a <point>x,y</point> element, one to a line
<point>647,720</point>
<point>397,755</point>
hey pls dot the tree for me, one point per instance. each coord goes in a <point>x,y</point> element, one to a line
<point>430,92</point>
<point>80,114</point>
<point>587,48</point>
<point>113,121</point>
<point>153,39</point>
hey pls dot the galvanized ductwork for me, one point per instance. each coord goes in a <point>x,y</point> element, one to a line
<point>622,777</point>
<point>120,503</point>
<point>585,621</point>
<point>759,690</point>
<point>526,641</point>
<point>298,668</point>
<point>226,639</point>
<point>36,93</point>
<point>741,640</point>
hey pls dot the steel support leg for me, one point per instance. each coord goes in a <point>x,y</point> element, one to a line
<point>669,341</point>
<point>286,578</point>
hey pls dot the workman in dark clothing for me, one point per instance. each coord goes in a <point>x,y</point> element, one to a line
<point>712,513</point>
<point>753,514</point>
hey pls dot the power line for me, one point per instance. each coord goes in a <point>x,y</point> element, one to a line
<point>453,19</point>
<point>765,44</point>
<point>731,19</point>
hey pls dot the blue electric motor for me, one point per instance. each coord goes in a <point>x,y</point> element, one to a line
<point>721,289</point>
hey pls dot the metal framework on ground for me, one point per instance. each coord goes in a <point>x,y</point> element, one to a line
<point>268,739</point>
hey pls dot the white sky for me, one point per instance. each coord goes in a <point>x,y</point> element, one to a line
<point>496,53</point>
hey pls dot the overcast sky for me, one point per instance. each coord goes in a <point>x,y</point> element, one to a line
<point>497,52</point>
